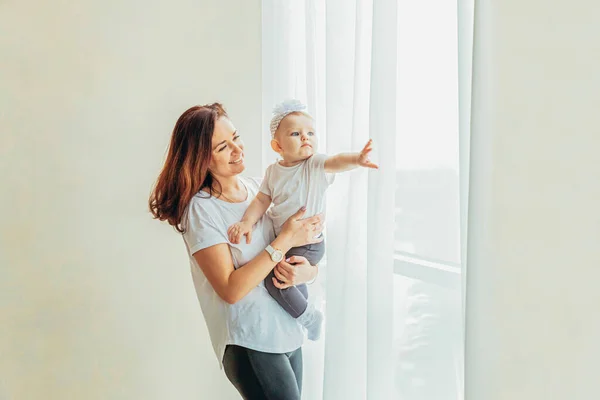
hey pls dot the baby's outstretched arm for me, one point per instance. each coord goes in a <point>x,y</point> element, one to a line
<point>346,161</point>
<point>254,212</point>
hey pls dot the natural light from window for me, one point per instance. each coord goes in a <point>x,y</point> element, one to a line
<point>428,335</point>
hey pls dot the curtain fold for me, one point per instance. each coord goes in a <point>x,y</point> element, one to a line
<point>465,76</point>
<point>381,203</point>
<point>347,103</point>
<point>360,102</point>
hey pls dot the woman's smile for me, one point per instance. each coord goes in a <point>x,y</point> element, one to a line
<point>237,161</point>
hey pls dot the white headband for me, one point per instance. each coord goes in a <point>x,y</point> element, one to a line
<point>281,110</point>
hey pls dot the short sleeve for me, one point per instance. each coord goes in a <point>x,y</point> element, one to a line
<point>201,231</point>
<point>317,167</point>
<point>264,186</point>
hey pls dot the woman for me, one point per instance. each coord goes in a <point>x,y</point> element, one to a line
<point>201,193</point>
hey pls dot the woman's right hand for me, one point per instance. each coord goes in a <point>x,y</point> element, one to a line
<point>299,232</point>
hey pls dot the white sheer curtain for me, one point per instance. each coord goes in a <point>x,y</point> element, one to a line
<point>391,281</point>
<point>360,102</point>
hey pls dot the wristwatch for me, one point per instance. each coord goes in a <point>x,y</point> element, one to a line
<point>276,254</point>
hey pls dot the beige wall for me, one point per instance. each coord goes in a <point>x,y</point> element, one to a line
<point>96,300</point>
<point>533,325</point>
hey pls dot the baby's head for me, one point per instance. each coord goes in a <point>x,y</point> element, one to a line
<point>292,132</point>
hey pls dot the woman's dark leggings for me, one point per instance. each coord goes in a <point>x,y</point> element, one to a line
<point>264,376</point>
<point>294,300</point>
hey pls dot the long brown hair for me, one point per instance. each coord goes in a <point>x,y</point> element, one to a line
<point>185,171</point>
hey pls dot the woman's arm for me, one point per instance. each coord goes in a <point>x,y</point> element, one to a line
<point>233,284</point>
<point>294,271</point>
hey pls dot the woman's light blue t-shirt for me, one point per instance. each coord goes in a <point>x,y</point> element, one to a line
<point>256,321</point>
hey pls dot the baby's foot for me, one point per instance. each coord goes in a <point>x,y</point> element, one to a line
<point>312,320</point>
<point>313,328</point>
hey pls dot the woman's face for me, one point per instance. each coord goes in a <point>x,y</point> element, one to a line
<point>227,150</point>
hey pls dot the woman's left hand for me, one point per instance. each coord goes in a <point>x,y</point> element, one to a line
<point>293,271</point>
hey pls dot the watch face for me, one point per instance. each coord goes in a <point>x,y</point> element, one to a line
<point>277,256</point>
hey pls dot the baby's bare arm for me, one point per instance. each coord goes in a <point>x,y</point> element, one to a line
<point>257,208</point>
<point>346,161</point>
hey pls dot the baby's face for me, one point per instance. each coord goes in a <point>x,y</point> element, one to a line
<point>296,138</point>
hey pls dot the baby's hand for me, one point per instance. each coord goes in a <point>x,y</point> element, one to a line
<point>363,156</point>
<point>239,229</point>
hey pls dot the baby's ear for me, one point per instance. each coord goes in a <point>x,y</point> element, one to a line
<point>275,146</point>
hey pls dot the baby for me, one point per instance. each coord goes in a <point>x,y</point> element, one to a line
<point>299,179</point>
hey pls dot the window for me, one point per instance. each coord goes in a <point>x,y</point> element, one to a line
<point>428,334</point>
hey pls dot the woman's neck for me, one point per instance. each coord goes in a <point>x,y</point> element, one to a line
<point>230,189</point>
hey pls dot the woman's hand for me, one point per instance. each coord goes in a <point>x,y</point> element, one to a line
<point>293,271</point>
<point>299,232</point>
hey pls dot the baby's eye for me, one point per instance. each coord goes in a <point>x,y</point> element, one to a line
<point>311,134</point>
<point>295,134</point>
